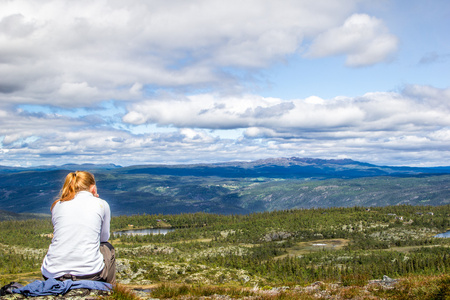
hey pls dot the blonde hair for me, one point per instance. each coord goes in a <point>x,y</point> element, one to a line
<point>74,183</point>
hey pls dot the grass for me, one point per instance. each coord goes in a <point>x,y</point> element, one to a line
<point>120,292</point>
<point>411,287</point>
<point>420,287</point>
<point>355,279</point>
<point>407,249</point>
<point>302,248</point>
<point>177,291</point>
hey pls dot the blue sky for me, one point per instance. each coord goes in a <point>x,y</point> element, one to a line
<point>168,82</point>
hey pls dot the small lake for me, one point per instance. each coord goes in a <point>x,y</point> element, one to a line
<point>443,235</point>
<point>152,231</point>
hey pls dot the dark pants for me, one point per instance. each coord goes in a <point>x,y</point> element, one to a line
<point>108,274</point>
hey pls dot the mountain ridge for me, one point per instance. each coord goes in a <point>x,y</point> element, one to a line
<point>277,161</point>
<point>233,187</point>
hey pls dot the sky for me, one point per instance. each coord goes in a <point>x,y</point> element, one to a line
<point>175,81</point>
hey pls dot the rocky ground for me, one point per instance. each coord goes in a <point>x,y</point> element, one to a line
<point>77,294</point>
<point>317,290</point>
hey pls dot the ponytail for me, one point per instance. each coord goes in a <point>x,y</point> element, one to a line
<point>74,183</point>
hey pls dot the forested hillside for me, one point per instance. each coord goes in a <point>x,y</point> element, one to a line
<point>289,248</point>
<point>7,215</point>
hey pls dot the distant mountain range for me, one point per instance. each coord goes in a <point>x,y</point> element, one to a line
<point>232,187</point>
<point>293,167</point>
<point>7,169</point>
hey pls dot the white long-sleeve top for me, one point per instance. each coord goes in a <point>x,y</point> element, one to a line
<point>79,225</point>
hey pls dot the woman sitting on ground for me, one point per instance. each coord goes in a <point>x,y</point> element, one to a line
<point>81,220</point>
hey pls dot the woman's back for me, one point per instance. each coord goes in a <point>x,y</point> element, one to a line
<point>78,231</point>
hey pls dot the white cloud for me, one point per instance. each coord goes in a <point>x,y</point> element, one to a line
<point>372,111</point>
<point>204,111</point>
<point>407,122</point>
<point>136,89</point>
<point>61,61</point>
<point>255,132</point>
<point>106,47</point>
<point>365,40</point>
<point>78,91</point>
<point>16,27</point>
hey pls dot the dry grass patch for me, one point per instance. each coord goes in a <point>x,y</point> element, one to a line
<point>419,287</point>
<point>120,292</point>
<point>302,248</point>
<point>407,249</point>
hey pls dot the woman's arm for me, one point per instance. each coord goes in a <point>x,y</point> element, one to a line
<point>104,235</point>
